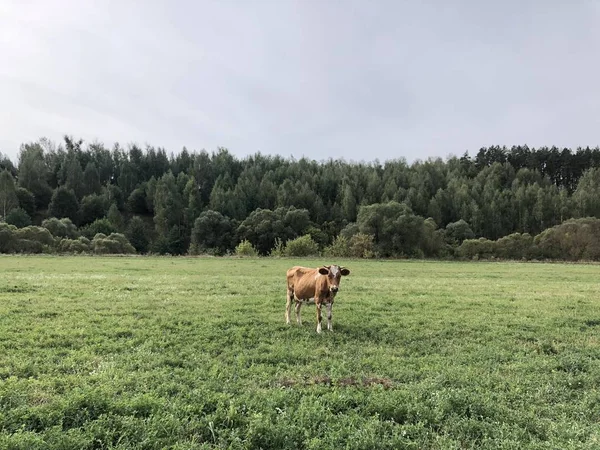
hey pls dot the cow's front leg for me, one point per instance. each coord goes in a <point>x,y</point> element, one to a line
<point>329,324</point>
<point>298,316</point>
<point>318,303</point>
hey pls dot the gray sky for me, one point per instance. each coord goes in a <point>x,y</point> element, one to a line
<point>320,78</point>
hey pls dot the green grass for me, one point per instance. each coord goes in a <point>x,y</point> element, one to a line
<point>185,353</point>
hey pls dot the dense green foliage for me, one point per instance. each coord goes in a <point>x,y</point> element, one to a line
<point>190,353</point>
<point>208,203</point>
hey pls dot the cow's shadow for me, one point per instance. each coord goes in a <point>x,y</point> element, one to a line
<point>346,332</point>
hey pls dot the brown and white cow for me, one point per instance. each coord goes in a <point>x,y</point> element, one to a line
<point>305,285</point>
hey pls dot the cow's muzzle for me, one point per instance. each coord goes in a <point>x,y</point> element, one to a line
<point>334,289</point>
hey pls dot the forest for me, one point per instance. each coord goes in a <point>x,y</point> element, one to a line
<point>516,202</point>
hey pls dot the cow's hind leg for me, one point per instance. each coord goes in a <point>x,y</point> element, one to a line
<point>298,316</point>
<point>288,304</point>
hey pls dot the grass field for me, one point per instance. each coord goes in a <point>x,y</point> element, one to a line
<point>194,353</point>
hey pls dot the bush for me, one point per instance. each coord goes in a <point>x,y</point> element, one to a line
<point>116,243</point>
<point>361,245</point>
<point>301,246</point>
<point>81,245</point>
<point>573,240</point>
<point>136,202</point>
<point>24,240</point>
<point>63,228</point>
<point>279,249</point>
<point>64,204</point>
<point>6,237</point>
<point>457,232</point>
<point>349,230</point>
<point>136,234</point>
<point>212,233</point>
<point>340,247</point>
<point>173,243</point>
<point>28,246</point>
<point>515,246</point>
<point>98,226</point>
<point>93,207</point>
<point>245,248</point>
<point>37,234</point>
<point>476,248</point>
<point>318,235</point>
<point>434,240</point>
<point>18,217</point>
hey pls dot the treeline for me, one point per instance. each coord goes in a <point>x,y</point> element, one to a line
<point>213,203</point>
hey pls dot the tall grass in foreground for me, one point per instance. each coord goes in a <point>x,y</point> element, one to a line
<point>182,353</point>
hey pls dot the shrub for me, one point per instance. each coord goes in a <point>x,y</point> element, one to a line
<point>64,204</point>
<point>74,245</point>
<point>24,240</point>
<point>572,240</point>
<point>301,246</point>
<point>18,217</point>
<point>115,243</point>
<point>6,237</point>
<point>212,233</point>
<point>349,230</point>
<point>136,202</point>
<point>93,207</point>
<point>245,248</point>
<point>361,245</point>
<point>37,234</point>
<point>340,247</point>
<point>28,246</point>
<point>515,246</point>
<point>434,240</point>
<point>63,228</point>
<point>476,248</point>
<point>173,243</point>
<point>136,234</point>
<point>457,232</point>
<point>98,226</point>
<point>279,249</point>
<point>318,235</point>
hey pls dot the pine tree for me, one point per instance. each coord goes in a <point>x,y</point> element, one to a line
<point>168,204</point>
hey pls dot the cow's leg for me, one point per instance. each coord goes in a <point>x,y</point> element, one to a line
<point>288,304</point>
<point>318,303</point>
<point>298,316</point>
<point>329,324</point>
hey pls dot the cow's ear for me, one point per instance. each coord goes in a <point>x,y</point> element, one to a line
<point>323,270</point>
<point>344,271</point>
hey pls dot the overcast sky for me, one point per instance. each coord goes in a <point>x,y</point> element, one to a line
<point>318,78</point>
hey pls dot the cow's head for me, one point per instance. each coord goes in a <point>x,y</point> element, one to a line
<point>334,274</point>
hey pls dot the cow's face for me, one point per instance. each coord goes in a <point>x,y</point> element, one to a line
<point>334,274</point>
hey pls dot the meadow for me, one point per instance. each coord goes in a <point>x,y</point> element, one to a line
<point>194,353</point>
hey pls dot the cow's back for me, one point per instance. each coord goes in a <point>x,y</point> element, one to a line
<point>302,280</point>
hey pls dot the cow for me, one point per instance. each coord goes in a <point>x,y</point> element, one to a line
<point>306,285</point>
